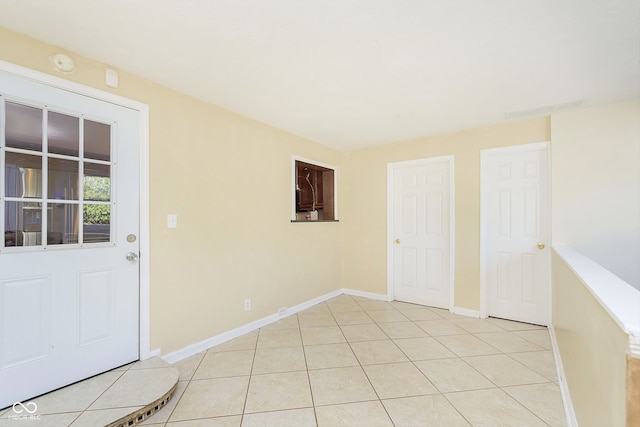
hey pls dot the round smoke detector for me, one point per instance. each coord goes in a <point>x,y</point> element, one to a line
<point>63,63</point>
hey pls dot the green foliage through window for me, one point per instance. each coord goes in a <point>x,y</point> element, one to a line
<point>97,188</point>
<point>97,214</point>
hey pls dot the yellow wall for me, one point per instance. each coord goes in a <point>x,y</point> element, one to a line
<point>365,203</point>
<point>593,350</point>
<point>229,180</point>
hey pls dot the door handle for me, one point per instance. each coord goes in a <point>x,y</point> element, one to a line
<point>397,241</point>
<point>132,256</point>
<point>540,245</point>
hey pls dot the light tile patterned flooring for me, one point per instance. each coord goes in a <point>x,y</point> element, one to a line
<point>358,362</point>
<point>105,399</point>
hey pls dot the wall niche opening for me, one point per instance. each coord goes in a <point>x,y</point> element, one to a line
<point>314,192</point>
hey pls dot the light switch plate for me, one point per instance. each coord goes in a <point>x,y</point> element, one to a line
<point>172,221</point>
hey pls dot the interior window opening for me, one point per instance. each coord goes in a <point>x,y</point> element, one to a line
<point>314,192</point>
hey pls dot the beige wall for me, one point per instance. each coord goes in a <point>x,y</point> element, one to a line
<point>365,203</point>
<point>593,350</point>
<point>596,185</point>
<point>229,180</point>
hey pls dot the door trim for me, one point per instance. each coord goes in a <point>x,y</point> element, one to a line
<point>452,226</point>
<point>143,111</point>
<point>484,220</point>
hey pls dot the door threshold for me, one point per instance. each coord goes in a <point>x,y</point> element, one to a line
<point>121,397</point>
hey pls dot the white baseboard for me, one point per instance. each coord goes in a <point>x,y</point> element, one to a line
<point>370,295</point>
<point>303,306</point>
<point>198,347</point>
<point>150,354</point>
<point>570,413</point>
<point>466,312</point>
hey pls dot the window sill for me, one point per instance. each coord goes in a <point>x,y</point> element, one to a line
<point>319,220</point>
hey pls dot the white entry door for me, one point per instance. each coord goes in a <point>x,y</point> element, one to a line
<point>515,232</point>
<point>69,214</point>
<point>420,209</point>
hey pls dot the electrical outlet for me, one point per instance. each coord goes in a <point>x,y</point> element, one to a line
<point>282,311</point>
<point>247,304</point>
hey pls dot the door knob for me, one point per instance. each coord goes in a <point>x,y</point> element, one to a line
<point>132,256</point>
<point>397,241</point>
<point>541,245</point>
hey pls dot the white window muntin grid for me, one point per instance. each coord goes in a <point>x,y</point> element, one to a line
<point>45,155</point>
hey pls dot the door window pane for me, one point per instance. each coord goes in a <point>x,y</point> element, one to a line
<point>23,175</point>
<point>63,134</point>
<point>63,224</point>
<point>97,182</point>
<point>23,126</point>
<point>67,152</point>
<point>22,224</point>
<point>97,140</point>
<point>63,179</point>
<point>96,223</point>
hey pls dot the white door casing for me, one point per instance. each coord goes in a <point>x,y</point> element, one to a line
<point>420,231</point>
<point>514,255</point>
<point>71,311</point>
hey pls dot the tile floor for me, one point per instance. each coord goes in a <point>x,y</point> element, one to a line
<point>101,400</point>
<point>357,362</point>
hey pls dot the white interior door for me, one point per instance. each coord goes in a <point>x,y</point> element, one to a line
<point>515,232</point>
<point>69,214</point>
<point>420,238</point>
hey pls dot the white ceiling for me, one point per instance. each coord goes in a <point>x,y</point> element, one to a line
<point>354,73</point>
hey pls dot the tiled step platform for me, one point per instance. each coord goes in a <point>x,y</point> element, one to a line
<point>122,397</point>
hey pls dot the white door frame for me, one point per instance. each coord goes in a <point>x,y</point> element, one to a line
<point>390,209</point>
<point>143,110</point>
<point>484,219</point>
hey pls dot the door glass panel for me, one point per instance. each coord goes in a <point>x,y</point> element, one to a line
<point>23,126</point>
<point>96,223</point>
<point>97,182</point>
<point>68,216</point>
<point>63,224</point>
<point>97,140</point>
<point>63,179</point>
<point>23,175</point>
<point>63,134</point>
<point>22,224</point>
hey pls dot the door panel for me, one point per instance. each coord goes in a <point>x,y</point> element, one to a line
<point>515,220</point>
<point>95,308</point>
<point>25,304</point>
<point>420,202</point>
<point>69,199</point>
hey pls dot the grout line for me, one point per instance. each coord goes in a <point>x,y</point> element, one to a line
<point>525,406</point>
<point>188,381</point>
<point>104,391</point>
<point>456,408</point>
<point>253,361</point>
<point>306,364</point>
